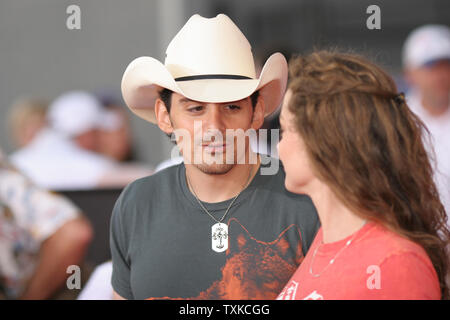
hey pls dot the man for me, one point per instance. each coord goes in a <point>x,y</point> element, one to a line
<point>41,234</point>
<point>426,58</point>
<point>214,226</point>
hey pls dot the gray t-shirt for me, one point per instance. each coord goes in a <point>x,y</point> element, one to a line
<point>161,239</point>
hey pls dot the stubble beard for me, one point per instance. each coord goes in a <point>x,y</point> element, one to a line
<point>214,168</point>
<point>218,164</point>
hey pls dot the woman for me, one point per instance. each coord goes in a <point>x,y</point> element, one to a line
<point>351,143</point>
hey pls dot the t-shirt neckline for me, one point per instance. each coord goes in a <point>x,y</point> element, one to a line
<point>216,206</point>
<point>328,248</point>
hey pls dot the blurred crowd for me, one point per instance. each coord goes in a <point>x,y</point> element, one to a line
<point>79,141</point>
<point>83,141</point>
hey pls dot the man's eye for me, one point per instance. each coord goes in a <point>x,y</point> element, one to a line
<point>233,107</point>
<point>196,109</point>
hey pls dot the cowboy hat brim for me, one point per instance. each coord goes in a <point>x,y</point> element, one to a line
<point>146,76</point>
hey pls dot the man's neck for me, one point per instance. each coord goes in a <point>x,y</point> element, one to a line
<point>220,187</point>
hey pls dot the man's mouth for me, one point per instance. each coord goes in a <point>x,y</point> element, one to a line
<point>214,148</point>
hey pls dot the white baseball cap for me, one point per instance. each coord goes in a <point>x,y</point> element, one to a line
<point>112,121</point>
<point>425,45</point>
<point>76,112</point>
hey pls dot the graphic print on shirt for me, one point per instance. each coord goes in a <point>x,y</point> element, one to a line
<point>289,291</point>
<point>255,269</point>
<point>314,296</point>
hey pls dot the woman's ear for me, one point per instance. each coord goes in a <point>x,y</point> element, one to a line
<point>163,117</point>
<point>258,114</point>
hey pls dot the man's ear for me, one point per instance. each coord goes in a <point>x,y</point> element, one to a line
<point>258,114</point>
<point>163,117</point>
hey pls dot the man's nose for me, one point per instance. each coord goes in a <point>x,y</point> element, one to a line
<point>214,118</point>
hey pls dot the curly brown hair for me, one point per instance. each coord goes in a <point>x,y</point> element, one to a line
<point>366,144</point>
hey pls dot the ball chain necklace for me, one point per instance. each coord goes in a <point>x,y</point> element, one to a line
<point>316,275</point>
<point>219,231</point>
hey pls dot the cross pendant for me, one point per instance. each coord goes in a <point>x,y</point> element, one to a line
<point>219,237</point>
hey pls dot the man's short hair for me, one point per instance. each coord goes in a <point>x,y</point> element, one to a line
<point>166,96</point>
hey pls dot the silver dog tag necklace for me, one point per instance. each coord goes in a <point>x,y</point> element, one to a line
<point>219,231</point>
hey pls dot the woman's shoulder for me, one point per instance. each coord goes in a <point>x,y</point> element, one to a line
<point>404,267</point>
<point>389,249</point>
<point>386,242</point>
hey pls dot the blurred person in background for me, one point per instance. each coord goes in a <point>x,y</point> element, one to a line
<point>41,234</point>
<point>64,155</point>
<point>26,118</point>
<point>115,136</point>
<point>426,59</point>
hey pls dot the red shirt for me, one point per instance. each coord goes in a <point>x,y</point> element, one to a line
<point>377,264</point>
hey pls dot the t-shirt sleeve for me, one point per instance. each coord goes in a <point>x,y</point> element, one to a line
<point>407,276</point>
<point>119,244</point>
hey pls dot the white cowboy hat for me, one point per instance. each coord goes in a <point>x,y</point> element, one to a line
<point>209,60</point>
